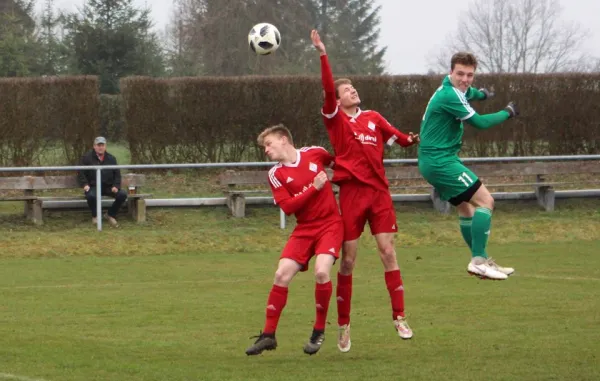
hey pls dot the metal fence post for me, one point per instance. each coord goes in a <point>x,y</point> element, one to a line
<point>99,199</point>
<point>281,219</point>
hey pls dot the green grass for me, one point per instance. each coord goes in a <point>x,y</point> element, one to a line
<point>176,299</point>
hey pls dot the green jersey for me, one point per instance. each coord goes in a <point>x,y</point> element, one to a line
<point>442,125</point>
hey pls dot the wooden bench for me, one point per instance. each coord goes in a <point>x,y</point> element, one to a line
<point>511,175</point>
<point>532,175</point>
<point>33,210</point>
<point>231,180</point>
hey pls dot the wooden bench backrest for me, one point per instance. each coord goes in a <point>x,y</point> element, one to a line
<point>60,182</point>
<point>508,169</point>
<point>231,178</point>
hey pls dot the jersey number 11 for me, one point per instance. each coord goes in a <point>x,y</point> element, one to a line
<point>465,179</point>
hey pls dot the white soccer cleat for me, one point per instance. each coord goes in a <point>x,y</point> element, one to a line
<point>402,328</point>
<point>505,270</point>
<point>480,268</point>
<point>344,342</point>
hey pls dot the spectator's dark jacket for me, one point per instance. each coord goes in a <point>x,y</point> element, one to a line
<point>110,177</point>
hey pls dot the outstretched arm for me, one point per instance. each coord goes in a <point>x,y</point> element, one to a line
<point>482,94</point>
<point>391,134</point>
<point>330,102</point>
<point>483,122</point>
<point>456,104</point>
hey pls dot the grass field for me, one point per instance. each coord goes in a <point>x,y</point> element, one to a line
<point>178,298</point>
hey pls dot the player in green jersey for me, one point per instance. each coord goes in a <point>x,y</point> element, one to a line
<point>441,140</point>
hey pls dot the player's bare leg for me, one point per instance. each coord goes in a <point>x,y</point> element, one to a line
<point>393,281</point>
<point>323,290</point>
<point>344,293</point>
<point>286,271</point>
<point>480,208</point>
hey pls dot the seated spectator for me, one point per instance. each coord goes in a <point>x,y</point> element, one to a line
<point>111,181</point>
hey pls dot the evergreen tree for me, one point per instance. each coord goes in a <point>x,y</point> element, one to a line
<point>54,54</point>
<point>112,39</point>
<point>352,37</point>
<point>209,37</point>
<point>19,48</point>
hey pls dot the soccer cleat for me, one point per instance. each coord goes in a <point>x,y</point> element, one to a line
<point>344,342</point>
<point>402,328</point>
<point>480,268</point>
<point>505,270</point>
<point>264,342</point>
<point>315,342</point>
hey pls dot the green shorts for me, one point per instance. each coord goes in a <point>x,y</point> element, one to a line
<point>453,181</point>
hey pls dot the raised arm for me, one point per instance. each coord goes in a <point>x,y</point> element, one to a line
<point>330,101</point>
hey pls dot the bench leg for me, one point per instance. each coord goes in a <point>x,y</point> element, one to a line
<point>238,205</point>
<point>136,209</point>
<point>439,204</point>
<point>131,206</point>
<point>545,197</point>
<point>228,201</point>
<point>28,205</point>
<point>140,210</point>
<point>36,212</point>
<point>28,209</point>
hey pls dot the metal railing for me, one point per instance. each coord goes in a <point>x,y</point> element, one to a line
<point>99,168</point>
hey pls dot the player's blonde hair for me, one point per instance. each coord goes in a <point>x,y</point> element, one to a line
<point>278,129</point>
<point>463,58</point>
<point>340,82</point>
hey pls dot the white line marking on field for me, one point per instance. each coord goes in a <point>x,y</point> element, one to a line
<point>8,376</point>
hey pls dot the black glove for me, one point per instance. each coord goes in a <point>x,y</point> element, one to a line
<point>488,93</point>
<point>512,109</point>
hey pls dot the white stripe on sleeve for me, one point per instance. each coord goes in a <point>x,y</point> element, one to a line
<point>465,103</point>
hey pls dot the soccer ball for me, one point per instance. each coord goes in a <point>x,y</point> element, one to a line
<point>264,38</point>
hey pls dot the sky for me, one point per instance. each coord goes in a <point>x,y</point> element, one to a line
<point>414,30</point>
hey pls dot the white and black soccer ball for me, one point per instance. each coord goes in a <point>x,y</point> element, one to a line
<point>264,38</point>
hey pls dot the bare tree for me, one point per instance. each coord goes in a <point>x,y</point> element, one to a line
<point>183,40</point>
<point>588,64</point>
<point>516,36</point>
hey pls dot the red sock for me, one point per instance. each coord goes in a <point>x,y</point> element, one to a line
<point>323,293</point>
<point>344,298</point>
<point>393,281</point>
<point>275,304</point>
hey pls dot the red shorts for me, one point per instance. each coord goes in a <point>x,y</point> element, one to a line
<point>308,241</point>
<point>360,203</point>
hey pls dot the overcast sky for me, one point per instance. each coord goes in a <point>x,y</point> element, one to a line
<point>414,30</point>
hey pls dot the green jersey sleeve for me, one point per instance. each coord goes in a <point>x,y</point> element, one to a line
<point>474,95</point>
<point>455,103</point>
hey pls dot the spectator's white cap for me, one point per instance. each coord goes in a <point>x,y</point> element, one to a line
<point>100,140</point>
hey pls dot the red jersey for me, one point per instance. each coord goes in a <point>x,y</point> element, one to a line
<point>293,190</point>
<point>358,141</point>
